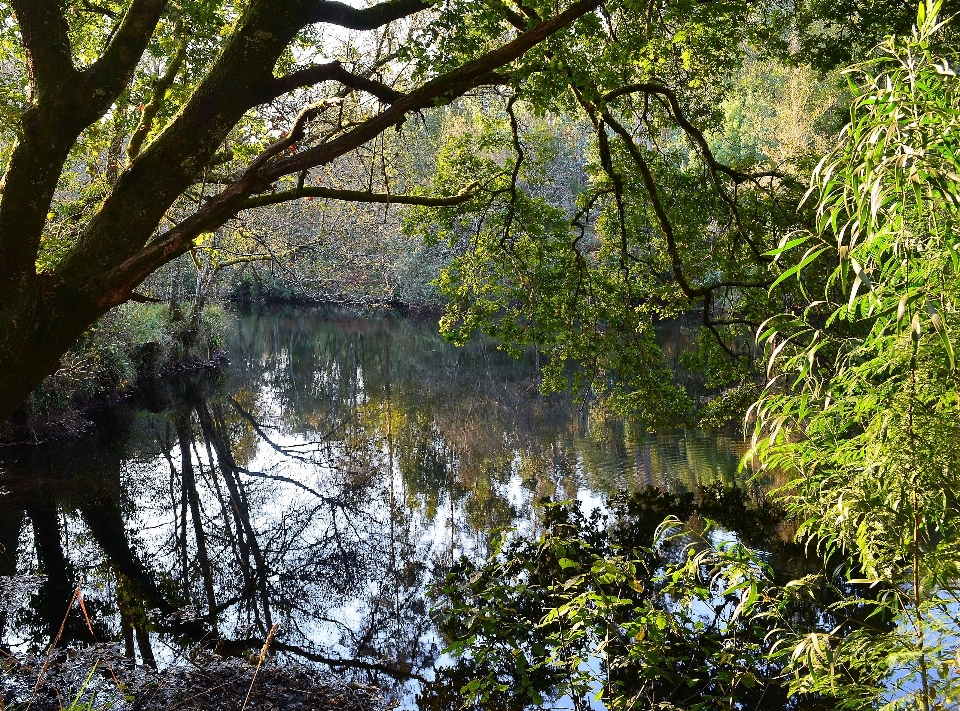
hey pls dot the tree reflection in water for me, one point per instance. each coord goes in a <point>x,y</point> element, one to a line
<point>337,466</point>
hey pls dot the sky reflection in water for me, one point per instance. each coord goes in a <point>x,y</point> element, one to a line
<point>319,483</point>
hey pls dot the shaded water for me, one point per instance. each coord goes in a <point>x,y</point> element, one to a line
<point>320,482</point>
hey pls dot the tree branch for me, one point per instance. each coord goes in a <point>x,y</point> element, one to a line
<point>713,164</point>
<point>98,9</point>
<point>296,133</point>
<point>64,104</point>
<point>666,226</point>
<point>658,208</point>
<point>45,39</point>
<point>160,86</point>
<point>117,282</point>
<point>332,71</point>
<point>109,75</point>
<point>144,299</point>
<point>443,89</point>
<point>691,130</point>
<point>236,646</point>
<point>355,196</point>
<point>368,18</point>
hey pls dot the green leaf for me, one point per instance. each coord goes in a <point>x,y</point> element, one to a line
<point>807,259</point>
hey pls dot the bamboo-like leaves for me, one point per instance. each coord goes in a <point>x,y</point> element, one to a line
<point>860,407</point>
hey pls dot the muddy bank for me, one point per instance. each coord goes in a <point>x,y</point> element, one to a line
<point>102,675</point>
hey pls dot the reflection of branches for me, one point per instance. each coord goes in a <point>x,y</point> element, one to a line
<point>214,430</point>
<point>242,645</point>
<point>287,480</point>
<point>286,450</point>
<point>189,484</point>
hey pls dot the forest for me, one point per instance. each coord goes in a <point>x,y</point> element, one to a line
<point>605,352</point>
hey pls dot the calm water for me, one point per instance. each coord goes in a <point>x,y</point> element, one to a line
<point>320,482</point>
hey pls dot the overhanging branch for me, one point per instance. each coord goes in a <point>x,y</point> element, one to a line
<point>666,226</point>
<point>355,196</point>
<point>695,134</point>
<point>443,89</point>
<point>266,170</point>
<point>98,9</point>
<point>368,18</point>
<point>332,71</point>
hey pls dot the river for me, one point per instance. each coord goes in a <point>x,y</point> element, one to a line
<point>335,467</point>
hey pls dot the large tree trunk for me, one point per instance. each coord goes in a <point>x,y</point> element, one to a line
<point>36,334</point>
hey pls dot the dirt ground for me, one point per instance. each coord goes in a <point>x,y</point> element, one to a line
<point>204,684</point>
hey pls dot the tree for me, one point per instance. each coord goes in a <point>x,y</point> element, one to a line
<point>71,249</point>
<point>861,411</point>
<point>146,126</point>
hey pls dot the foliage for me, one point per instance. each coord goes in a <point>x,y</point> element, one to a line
<point>591,609</point>
<point>860,415</point>
<point>601,210</point>
<point>829,34</point>
<point>133,341</point>
<point>861,411</point>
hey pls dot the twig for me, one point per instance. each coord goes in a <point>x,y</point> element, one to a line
<point>263,656</point>
<point>53,645</point>
<point>86,617</point>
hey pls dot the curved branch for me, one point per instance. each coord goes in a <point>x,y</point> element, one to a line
<point>117,282</point>
<point>332,12</point>
<point>713,164</point>
<point>241,645</point>
<point>515,173</point>
<point>355,196</point>
<point>658,208</point>
<point>332,71</point>
<point>98,9</point>
<point>691,130</point>
<point>441,90</point>
<point>295,134</point>
<point>667,227</point>
<point>144,299</point>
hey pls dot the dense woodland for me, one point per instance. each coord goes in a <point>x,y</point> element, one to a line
<point>565,179</point>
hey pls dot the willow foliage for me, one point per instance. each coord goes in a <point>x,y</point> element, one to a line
<point>861,409</point>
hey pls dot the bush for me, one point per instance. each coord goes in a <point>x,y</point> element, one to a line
<point>130,342</point>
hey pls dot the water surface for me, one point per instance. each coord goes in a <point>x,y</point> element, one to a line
<point>337,466</point>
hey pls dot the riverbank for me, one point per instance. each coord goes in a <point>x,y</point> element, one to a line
<point>359,304</point>
<point>127,348</point>
<point>99,678</point>
<point>337,468</point>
